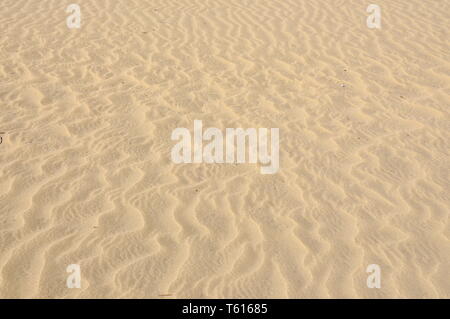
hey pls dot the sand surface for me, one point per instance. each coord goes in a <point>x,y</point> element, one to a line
<point>86,175</point>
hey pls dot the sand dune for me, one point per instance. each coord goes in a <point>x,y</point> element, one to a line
<point>86,175</point>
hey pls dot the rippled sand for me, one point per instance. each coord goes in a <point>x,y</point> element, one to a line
<point>86,176</point>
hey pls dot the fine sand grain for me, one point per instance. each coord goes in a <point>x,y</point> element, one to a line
<point>86,175</point>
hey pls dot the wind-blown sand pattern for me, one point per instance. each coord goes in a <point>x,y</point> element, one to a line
<point>86,175</point>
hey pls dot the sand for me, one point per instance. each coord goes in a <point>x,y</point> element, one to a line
<point>85,170</point>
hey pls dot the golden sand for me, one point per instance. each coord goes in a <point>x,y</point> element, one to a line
<point>85,170</point>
